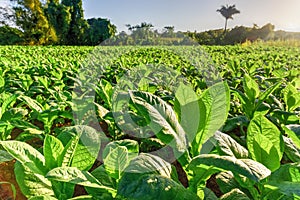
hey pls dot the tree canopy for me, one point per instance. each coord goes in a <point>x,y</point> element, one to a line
<point>54,22</point>
<point>227,12</point>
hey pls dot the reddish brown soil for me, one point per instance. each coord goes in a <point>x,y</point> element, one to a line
<point>7,175</point>
<point>212,184</point>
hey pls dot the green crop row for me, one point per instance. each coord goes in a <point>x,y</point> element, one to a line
<point>152,122</point>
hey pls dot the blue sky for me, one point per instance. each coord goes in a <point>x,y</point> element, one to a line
<point>194,15</point>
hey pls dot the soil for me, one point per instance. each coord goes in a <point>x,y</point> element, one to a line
<point>182,177</point>
<point>7,175</point>
<point>212,184</point>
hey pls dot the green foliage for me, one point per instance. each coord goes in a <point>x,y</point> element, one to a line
<point>229,147</point>
<point>284,182</point>
<point>31,18</point>
<point>77,24</point>
<point>236,35</point>
<point>9,36</point>
<point>265,143</point>
<point>162,121</point>
<point>148,177</point>
<point>154,155</point>
<point>53,22</point>
<point>32,166</point>
<point>99,30</point>
<point>246,167</point>
<point>153,187</point>
<point>214,107</point>
<point>59,17</point>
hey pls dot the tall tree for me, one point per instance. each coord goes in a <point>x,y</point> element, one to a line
<point>53,21</point>
<point>78,24</point>
<point>169,31</point>
<point>228,12</point>
<point>31,19</point>
<point>59,17</point>
<point>99,30</point>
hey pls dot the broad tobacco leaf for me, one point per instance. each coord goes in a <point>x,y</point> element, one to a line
<point>265,142</point>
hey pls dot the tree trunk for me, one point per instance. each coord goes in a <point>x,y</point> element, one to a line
<point>225,25</point>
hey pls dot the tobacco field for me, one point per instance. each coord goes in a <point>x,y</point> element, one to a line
<point>182,122</point>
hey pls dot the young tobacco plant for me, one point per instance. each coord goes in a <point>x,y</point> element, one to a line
<point>75,147</point>
<point>271,184</point>
<point>252,98</point>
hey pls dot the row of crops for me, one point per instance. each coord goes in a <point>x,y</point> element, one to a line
<point>150,122</point>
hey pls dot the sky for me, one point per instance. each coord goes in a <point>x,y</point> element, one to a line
<point>194,15</point>
<point>199,15</point>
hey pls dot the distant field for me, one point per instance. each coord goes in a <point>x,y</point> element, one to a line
<point>251,93</point>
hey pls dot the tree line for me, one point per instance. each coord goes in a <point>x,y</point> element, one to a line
<point>236,35</point>
<point>62,22</point>
<point>58,22</point>
<point>146,34</point>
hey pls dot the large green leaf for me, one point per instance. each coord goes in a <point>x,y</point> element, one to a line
<point>52,150</point>
<point>75,176</point>
<point>116,161</point>
<point>140,166</point>
<point>187,108</point>
<point>229,147</point>
<point>132,147</point>
<point>282,190</point>
<point>291,149</point>
<point>148,163</point>
<point>82,144</point>
<point>163,121</point>
<point>214,107</point>
<point>25,153</point>
<point>287,172</point>
<point>30,182</point>
<point>284,183</point>
<point>265,142</point>
<point>209,195</point>
<point>104,90</point>
<point>250,87</point>
<point>63,190</point>
<point>7,102</point>
<point>291,97</point>
<point>13,114</point>
<point>102,176</point>
<point>65,159</point>
<point>32,103</point>
<point>246,167</point>
<point>226,182</point>
<point>152,186</point>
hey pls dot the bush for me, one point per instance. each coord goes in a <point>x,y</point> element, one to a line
<point>10,36</point>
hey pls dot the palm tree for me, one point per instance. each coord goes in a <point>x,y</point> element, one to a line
<point>227,12</point>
